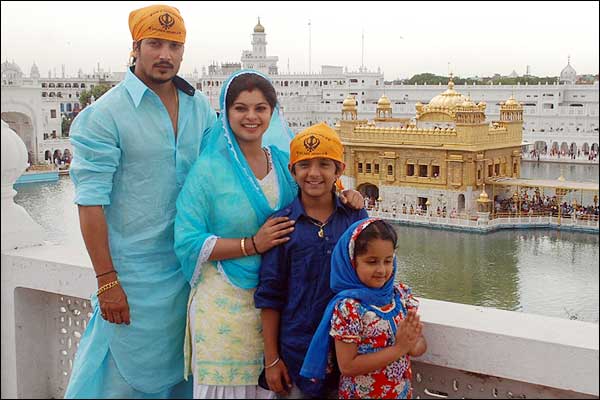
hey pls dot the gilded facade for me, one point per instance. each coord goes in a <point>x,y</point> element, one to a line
<point>443,155</point>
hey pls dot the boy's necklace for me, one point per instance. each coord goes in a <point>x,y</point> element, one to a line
<point>321,233</point>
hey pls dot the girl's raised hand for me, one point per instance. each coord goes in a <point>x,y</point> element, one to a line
<point>409,331</point>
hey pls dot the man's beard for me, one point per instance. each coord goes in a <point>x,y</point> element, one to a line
<point>160,81</point>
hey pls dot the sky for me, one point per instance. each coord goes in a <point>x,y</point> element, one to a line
<point>401,38</point>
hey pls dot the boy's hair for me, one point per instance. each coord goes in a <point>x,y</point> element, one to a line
<point>250,82</point>
<point>338,167</point>
<point>376,230</point>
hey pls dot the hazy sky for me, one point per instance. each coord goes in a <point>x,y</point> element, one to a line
<point>403,38</point>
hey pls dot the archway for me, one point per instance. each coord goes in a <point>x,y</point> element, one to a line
<point>585,148</point>
<point>23,126</point>
<point>539,145</point>
<point>370,191</point>
<point>461,202</point>
<point>67,156</point>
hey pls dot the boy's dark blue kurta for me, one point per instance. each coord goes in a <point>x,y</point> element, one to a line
<point>294,279</point>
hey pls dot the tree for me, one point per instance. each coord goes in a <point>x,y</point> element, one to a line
<point>66,125</point>
<point>96,91</point>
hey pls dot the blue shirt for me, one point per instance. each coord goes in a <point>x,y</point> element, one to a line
<point>128,160</point>
<point>294,279</point>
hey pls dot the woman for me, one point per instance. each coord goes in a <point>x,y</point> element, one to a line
<point>222,227</point>
<point>239,180</point>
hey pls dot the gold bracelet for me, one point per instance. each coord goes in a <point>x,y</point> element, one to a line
<point>243,246</point>
<point>104,288</point>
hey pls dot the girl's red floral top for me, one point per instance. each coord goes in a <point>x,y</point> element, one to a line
<point>353,322</point>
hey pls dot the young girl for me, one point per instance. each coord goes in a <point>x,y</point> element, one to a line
<point>374,323</point>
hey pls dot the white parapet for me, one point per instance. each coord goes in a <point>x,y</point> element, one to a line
<point>474,352</point>
<point>18,229</point>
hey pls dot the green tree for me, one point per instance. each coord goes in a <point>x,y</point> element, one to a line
<point>66,125</point>
<point>96,91</point>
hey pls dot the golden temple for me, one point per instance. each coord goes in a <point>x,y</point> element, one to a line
<point>446,153</point>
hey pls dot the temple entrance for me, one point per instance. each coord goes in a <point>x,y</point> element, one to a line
<point>461,202</point>
<point>370,192</point>
<point>22,125</point>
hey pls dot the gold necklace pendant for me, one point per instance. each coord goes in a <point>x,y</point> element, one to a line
<point>321,232</point>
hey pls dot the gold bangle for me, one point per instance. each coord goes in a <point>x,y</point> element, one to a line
<point>243,246</point>
<point>104,288</point>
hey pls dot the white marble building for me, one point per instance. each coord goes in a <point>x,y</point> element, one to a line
<point>564,115</point>
<point>34,106</point>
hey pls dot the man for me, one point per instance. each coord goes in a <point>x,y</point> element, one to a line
<point>133,148</point>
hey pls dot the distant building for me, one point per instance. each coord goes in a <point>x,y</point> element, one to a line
<point>560,116</point>
<point>34,107</point>
<point>441,157</point>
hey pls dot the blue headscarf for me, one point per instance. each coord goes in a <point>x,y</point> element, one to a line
<point>345,284</point>
<point>222,197</point>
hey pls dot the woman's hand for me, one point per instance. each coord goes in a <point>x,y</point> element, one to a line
<point>352,198</point>
<point>278,378</point>
<point>273,232</point>
<point>113,303</point>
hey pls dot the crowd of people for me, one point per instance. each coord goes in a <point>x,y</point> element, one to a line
<point>556,154</point>
<point>540,204</point>
<point>234,265</point>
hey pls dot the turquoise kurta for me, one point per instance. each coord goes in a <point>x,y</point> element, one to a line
<point>127,159</point>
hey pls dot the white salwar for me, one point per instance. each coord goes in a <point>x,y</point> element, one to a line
<point>270,188</point>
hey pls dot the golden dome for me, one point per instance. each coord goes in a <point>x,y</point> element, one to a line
<point>512,101</point>
<point>468,104</point>
<point>384,102</point>
<point>448,100</point>
<point>483,196</point>
<point>259,28</point>
<point>349,103</point>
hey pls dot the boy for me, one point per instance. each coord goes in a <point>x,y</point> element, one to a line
<point>294,278</point>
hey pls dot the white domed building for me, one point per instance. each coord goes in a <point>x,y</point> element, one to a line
<point>568,75</point>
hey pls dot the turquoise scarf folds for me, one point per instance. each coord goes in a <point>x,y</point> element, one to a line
<point>222,197</point>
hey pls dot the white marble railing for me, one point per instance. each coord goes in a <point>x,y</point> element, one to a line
<point>482,224</point>
<point>473,351</point>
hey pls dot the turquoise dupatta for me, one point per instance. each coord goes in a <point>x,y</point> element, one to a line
<point>222,197</point>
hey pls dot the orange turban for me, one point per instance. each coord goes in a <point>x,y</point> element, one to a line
<point>159,21</point>
<point>317,141</point>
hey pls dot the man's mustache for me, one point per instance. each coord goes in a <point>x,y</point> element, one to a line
<point>163,64</point>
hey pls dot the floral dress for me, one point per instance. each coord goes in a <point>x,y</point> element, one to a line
<point>353,322</point>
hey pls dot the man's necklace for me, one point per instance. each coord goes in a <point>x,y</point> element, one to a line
<point>321,233</point>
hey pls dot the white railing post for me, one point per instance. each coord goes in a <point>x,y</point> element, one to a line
<point>18,230</point>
